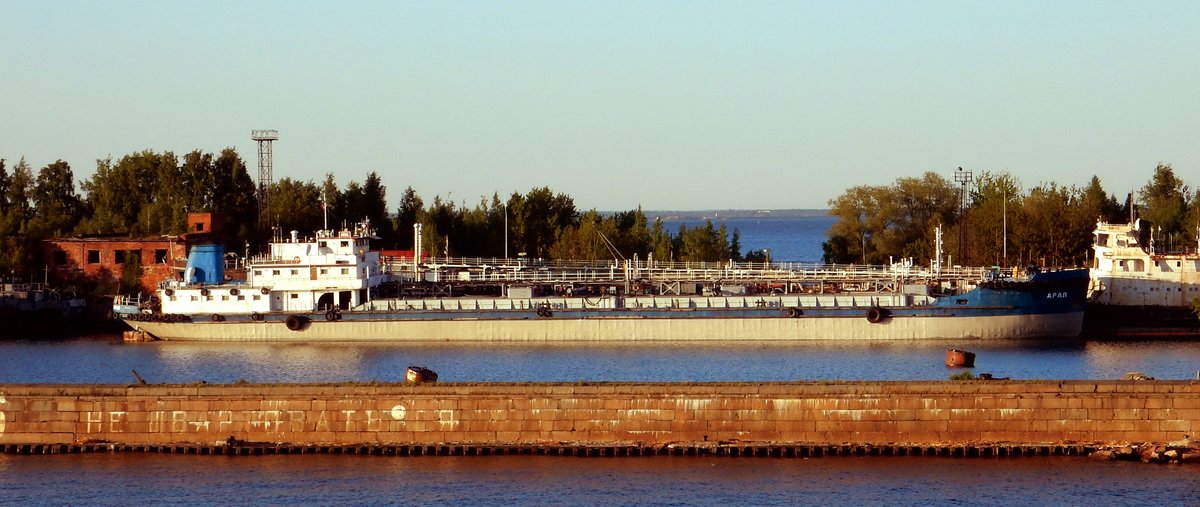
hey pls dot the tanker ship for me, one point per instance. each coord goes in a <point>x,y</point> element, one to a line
<point>332,287</point>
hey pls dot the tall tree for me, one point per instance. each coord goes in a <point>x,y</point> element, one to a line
<point>235,196</point>
<point>16,210</point>
<point>703,243</point>
<point>55,202</point>
<point>18,200</point>
<point>859,211</point>
<point>118,192</point>
<point>332,201</point>
<point>994,210</point>
<point>918,205</point>
<point>543,214</point>
<point>375,209</point>
<point>407,215</point>
<point>1043,231</point>
<point>1166,205</point>
<point>296,206</point>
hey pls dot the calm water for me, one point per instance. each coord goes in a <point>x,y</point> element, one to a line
<point>131,479</point>
<point>105,359</point>
<point>787,239</point>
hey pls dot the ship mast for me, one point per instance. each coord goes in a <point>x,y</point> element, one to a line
<point>325,209</point>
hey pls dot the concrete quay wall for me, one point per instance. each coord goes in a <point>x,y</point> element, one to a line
<point>645,414</point>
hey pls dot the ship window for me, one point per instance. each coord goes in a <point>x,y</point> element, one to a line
<point>256,298</point>
<point>345,244</point>
<point>345,271</point>
<point>258,272</point>
<point>241,298</point>
<point>93,257</point>
<point>324,271</point>
<point>208,298</point>
<point>194,298</point>
<point>295,296</point>
<point>295,272</point>
<point>224,298</point>
<point>274,272</point>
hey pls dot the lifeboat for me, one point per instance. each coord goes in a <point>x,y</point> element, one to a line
<point>956,358</point>
<point>418,374</point>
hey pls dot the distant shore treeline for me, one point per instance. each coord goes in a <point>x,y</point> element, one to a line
<point>1002,223</point>
<point>148,194</point>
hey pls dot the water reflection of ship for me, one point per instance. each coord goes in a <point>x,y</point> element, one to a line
<point>34,308</point>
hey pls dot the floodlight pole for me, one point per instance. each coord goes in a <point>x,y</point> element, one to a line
<point>963,178</point>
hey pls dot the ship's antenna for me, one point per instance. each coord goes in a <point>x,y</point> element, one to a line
<point>325,209</point>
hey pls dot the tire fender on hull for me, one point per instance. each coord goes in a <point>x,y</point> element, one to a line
<point>296,322</point>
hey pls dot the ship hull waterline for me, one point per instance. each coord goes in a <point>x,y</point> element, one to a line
<point>626,329</point>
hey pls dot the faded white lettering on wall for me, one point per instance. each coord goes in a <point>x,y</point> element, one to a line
<point>94,421</point>
<point>398,412</point>
<point>116,421</point>
<point>224,420</point>
<point>2,402</point>
<point>447,419</point>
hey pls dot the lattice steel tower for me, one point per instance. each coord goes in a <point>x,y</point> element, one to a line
<point>266,139</point>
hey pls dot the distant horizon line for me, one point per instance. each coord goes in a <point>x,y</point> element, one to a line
<point>735,213</point>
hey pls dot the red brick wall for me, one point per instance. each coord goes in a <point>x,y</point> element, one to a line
<point>916,413</point>
<point>77,262</point>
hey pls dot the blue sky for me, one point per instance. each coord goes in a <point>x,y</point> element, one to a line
<point>666,105</point>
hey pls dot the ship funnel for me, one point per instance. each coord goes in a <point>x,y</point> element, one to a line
<point>206,264</point>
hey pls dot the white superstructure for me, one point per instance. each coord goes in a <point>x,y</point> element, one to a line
<point>332,271</point>
<point>1127,273</point>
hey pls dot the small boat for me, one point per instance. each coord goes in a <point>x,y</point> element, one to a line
<point>418,374</point>
<point>956,358</point>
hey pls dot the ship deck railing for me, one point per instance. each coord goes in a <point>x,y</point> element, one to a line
<point>515,270</point>
<point>648,302</point>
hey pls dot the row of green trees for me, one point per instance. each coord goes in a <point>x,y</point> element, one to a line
<point>1000,223</point>
<point>147,194</point>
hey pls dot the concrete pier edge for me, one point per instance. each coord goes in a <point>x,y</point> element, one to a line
<point>997,418</point>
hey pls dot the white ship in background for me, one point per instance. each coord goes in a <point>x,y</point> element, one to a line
<point>1136,290</point>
